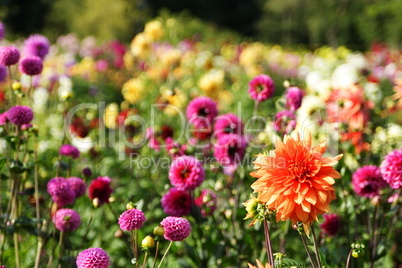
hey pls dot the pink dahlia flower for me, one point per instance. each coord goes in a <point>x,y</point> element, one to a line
<point>9,55</point>
<point>77,185</point>
<point>131,219</point>
<point>36,45</point>
<point>176,228</point>
<point>391,169</point>
<point>66,220</point>
<point>69,151</point>
<point>201,111</point>
<point>331,224</point>
<point>176,203</point>
<point>228,124</point>
<point>31,65</point>
<point>285,122</point>
<point>294,97</point>
<point>186,173</point>
<point>367,181</point>
<point>229,151</point>
<point>61,192</point>
<point>261,87</point>
<point>93,258</point>
<point>20,115</point>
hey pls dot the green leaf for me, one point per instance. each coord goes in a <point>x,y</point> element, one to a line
<point>289,263</point>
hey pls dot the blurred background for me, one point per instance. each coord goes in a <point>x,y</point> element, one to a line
<point>307,23</point>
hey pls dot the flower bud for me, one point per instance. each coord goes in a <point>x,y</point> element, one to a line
<point>148,242</point>
<point>159,231</point>
<point>16,86</point>
<point>130,205</point>
<point>96,202</point>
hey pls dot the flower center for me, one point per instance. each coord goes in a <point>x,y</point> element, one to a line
<point>298,171</point>
<point>184,173</point>
<point>203,112</point>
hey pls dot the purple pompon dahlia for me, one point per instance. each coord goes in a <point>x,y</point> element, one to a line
<point>229,151</point>
<point>228,124</point>
<point>3,119</point>
<point>9,55</point>
<point>131,219</point>
<point>294,97</point>
<point>186,173</point>
<point>176,228</point>
<point>176,203</point>
<point>100,189</point>
<point>31,65</point>
<point>3,73</point>
<point>391,169</point>
<point>2,34</point>
<point>201,111</point>
<point>66,220</point>
<point>93,258</point>
<point>206,202</point>
<point>367,181</point>
<point>331,224</point>
<point>77,185</point>
<point>36,45</point>
<point>61,192</point>
<point>285,122</point>
<point>69,151</point>
<point>261,87</point>
<point>20,115</point>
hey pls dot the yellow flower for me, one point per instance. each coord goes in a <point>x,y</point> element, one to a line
<point>133,90</point>
<point>212,82</point>
<point>110,115</point>
<point>140,45</point>
<point>171,58</point>
<point>154,30</point>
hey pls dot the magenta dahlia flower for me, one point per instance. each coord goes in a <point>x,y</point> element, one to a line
<point>294,97</point>
<point>176,202</point>
<point>66,220</point>
<point>61,192</point>
<point>186,173</point>
<point>20,115</point>
<point>100,189</point>
<point>176,228</point>
<point>285,122</point>
<point>331,224</point>
<point>69,151</point>
<point>367,181</point>
<point>391,169</point>
<point>93,258</point>
<point>31,65</point>
<point>3,73</point>
<point>228,124</point>
<point>229,151</point>
<point>77,185</point>
<point>36,45</point>
<point>2,34</point>
<point>261,87</point>
<point>9,55</point>
<point>206,202</point>
<point>131,219</point>
<point>201,111</point>
<point>3,119</point>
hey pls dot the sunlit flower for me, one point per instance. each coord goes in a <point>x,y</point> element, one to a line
<point>93,258</point>
<point>212,82</point>
<point>140,45</point>
<point>296,180</point>
<point>154,30</point>
<point>367,181</point>
<point>391,169</point>
<point>133,90</point>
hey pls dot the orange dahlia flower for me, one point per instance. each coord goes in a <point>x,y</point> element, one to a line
<point>398,94</point>
<point>295,180</point>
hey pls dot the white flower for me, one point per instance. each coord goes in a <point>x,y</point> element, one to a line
<point>344,76</point>
<point>40,98</point>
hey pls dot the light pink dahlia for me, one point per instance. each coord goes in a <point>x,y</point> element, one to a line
<point>176,228</point>
<point>131,219</point>
<point>186,173</point>
<point>66,220</point>
<point>391,169</point>
<point>93,258</point>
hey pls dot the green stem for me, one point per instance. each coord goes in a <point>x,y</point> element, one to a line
<point>348,260</point>
<point>268,244</point>
<point>306,248</point>
<point>17,251</point>
<point>156,254</point>
<point>11,86</point>
<point>164,255</point>
<point>134,234</point>
<point>60,248</point>
<point>145,259</point>
<point>317,253</point>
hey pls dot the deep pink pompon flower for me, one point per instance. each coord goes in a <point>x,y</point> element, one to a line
<point>20,115</point>
<point>66,220</point>
<point>331,224</point>
<point>77,185</point>
<point>367,181</point>
<point>131,219</point>
<point>176,228</point>
<point>201,111</point>
<point>61,192</point>
<point>228,124</point>
<point>391,169</point>
<point>100,188</point>
<point>93,258</point>
<point>176,202</point>
<point>186,173</point>
<point>36,45</point>
<point>294,97</point>
<point>261,87</point>
<point>229,151</point>
<point>9,55</point>
<point>31,65</point>
<point>69,150</point>
<point>206,202</point>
